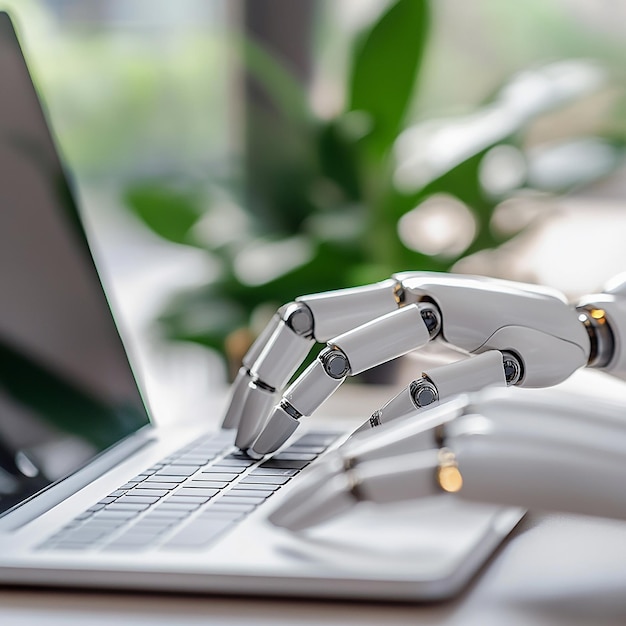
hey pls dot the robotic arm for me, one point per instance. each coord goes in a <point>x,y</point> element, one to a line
<point>514,334</point>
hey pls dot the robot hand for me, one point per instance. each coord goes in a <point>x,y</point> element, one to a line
<point>514,334</point>
<point>521,448</point>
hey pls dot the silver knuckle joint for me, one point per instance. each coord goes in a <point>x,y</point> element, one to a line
<point>431,316</point>
<point>601,339</point>
<point>299,318</point>
<point>513,368</point>
<point>423,392</point>
<point>335,362</point>
<point>290,409</point>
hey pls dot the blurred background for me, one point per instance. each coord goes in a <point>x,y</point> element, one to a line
<point>231,155</point>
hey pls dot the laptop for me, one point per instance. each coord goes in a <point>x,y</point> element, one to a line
<point>93,495</point>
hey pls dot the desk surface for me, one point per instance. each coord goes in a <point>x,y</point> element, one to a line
<point>554,569</point>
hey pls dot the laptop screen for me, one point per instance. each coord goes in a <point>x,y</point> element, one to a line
<point>66,389</point>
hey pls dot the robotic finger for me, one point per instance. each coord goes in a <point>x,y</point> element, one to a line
<point>491,368</point>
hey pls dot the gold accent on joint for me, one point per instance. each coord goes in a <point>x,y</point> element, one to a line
<point>448,474</point>
<point>399,294</point>
<point>599,315</point>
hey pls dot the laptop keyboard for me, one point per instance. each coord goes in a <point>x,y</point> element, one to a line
<point>188,499</point>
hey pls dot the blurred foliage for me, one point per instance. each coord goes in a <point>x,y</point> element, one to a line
<point>319,206</point>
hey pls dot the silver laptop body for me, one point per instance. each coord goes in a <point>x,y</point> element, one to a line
<point>93,495</point>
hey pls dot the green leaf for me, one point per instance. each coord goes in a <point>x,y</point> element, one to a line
<point>385,68</point>
<point>168,212</point>
<point>338,158</point>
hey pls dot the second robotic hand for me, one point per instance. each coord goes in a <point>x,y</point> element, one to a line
<point>488,369</point>
<point>403,436</point>
<point>505,450</point>
<point>351,353</point>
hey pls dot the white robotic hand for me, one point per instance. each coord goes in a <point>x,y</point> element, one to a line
<point>515,334</point>
<point>530,449</point>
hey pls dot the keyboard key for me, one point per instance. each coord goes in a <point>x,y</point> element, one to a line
<point>210,473</point>
<point>245,506</point>
<point>172,513</point>
<point>272,471</point>
<point>241,492</point>
<point>297,447</point>
<point>119,511</point>
<point>196,491</point>
<point>106,525</point>
<point>293,456</point>
<point>178,470</point>
<point>255,487</point>
<point>194,461</point>
<point>136,500</point>
<point>255,479</point>
<point>206,484</point>
<point>236,462</point>
<point>129,485</point>
<point>194,499</point>
<point>126,506</point>
<point>166,478</point>
<point>278,464</point>
<point>108,499</point>
<point>228,499</point>
<point>223,469</point>
<point>158,493</point>
<point>176,505</point>
<point>156,485</point>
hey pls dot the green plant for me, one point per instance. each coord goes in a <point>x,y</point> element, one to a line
<point>324,200</point>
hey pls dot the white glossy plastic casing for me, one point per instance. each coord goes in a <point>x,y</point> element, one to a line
<point>311,389</point>
<point>472,374</point>
<point>280,426</point>
<point>281,356</point>
<point>336,312</point>
<point>542,452</point>
<point>482,314</point>
<point>258,402</point>
<point>383,339</point>
<point>410,475</point>
<point>238,395</point>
